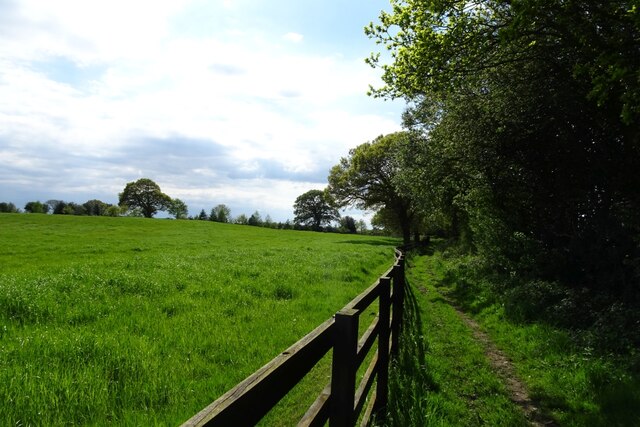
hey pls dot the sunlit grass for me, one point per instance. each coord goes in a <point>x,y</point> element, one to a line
<point>134,321</point>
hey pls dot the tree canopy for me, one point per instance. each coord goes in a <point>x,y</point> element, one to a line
<point>366,179</point>
<point>144,194</point>
<point>314,209</point>
<point>524,131</point>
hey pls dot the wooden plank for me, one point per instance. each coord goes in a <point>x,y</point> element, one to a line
<point>366,342</point>
<point>364,300</point>
<point>365,385</point>
<point>249,401</point>
<point>366,418</point>
<point>318,413</point>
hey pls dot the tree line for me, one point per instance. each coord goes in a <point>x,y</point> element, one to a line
<point>521,139</point>
<point>144,198</point>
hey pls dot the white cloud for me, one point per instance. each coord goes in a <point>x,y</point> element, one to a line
<point>294,37</point>
<point>128,75</point>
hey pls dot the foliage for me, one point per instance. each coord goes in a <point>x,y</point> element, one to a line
<point>524,124</point>
<point>36,207</point>
<point>145,195</point>
<point>255,219</point>
<point>8,207</point>
<point>220,213</point>
<point>366,179</point>
<point>178,209</point>
<point>138,322</point>
<point>576,353</point>
<point>314,208</point>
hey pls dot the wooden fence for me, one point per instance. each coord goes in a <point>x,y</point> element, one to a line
<point>342,400</point>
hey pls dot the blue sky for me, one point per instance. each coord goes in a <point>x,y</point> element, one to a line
<point>242,102</point>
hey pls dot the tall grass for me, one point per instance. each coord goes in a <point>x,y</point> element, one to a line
<point>135,321</point>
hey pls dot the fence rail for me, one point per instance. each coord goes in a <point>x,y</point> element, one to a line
<point>341,402</point>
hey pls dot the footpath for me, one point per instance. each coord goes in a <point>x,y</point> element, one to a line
<point>451,370</point>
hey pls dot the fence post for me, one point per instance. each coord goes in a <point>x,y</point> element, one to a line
<point>343,372</point>
<point>384,317</point>
<point>398,303</point>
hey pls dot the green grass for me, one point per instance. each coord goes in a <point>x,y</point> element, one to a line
<point>442,377</point>
<point>131,321</point>
<point>575,382</point>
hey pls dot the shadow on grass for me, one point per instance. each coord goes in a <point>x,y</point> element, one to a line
<point>409,379</point>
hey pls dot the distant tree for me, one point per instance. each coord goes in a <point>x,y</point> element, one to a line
<point>8,207</point>
<point>56,206</point>
<point>348,224</point>
<point>203,216</point>
<point>242,219</point>
<point>255,219</point>
<point>361,226</point>
<point>95,207</point>
<point>220,213</point>
<point>314,209</point>
<point>178,209</point>
<point>145,195</point>
<point>72,208</point>
<point>36,207</point>
<point>366,179</point>
<point>113,210</point>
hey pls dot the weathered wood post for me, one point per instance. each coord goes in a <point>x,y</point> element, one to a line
<point>384,319</point>
<point>343,372</point>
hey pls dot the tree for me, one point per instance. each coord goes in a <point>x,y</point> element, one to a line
<point>526,120</point>
<point>314,209</point>
<point>220,213</point>
<point>145,195</point>
<point>36,207</point>
<point>255,219</point>
<point>366,180</point>
<point>96,207</point>
<point>242,219</point>
<point>202,216</point>
<point>178,209</point>
<point>348,225</point>
<point>8,207</point>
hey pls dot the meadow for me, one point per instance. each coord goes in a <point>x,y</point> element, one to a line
<point>132,321</point>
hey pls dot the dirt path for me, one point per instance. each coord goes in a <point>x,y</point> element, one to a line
<point>505,370</point>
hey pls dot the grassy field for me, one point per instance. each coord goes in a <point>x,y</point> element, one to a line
<point>133,321</point>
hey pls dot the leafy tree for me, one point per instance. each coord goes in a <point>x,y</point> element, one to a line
<point>220,213</point>
<point>145,195</point>
<point>8,207</point>
<point>255,219</point>
<point>96,207</point>
<point>36,207</point>
<point>114,211</point>
<point>178,209</point>
<point>57,206</point>
<point>72,208</point>
<point>242,219</point>
<point>366,180</point>
<point>525,131</point>
<point>314,209</point>
<point>348,224</point>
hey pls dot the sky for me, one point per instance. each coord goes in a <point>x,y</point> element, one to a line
<point>243,102</point>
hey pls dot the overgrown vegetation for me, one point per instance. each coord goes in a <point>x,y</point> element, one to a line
<point>582,373</point>
<point>137,322</point>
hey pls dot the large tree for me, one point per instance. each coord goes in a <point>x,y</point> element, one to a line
<point>145,195</point>
<point>314,209</point>
<point>367,180</point>
<point>527,114</point>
